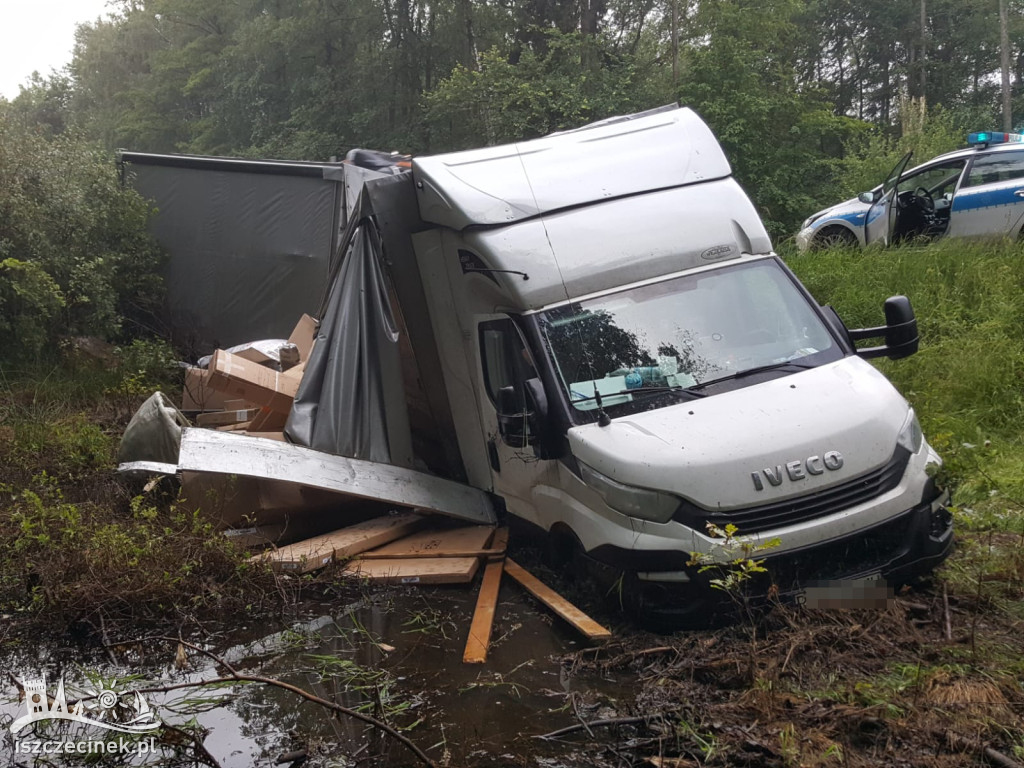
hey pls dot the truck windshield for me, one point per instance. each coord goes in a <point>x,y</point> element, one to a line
<point>689,331</point>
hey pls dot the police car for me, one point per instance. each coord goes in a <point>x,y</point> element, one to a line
<point>973,192</point>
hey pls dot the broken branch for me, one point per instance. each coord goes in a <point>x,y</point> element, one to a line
<point>611,721</point>
<point>233,674</point>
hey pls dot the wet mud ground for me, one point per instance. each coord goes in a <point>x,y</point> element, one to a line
<point>793,688</point>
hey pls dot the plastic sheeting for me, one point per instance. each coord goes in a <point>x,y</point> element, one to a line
<point>154,433</point>
<point>351,401</point>
<point>248,252</point>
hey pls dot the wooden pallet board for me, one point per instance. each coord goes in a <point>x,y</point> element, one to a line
<point>583,623</point>
<point>486,602</point>
<point>430,568</point>
<point>317,552</point>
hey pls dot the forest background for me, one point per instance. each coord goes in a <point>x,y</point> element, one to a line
<point>813,100</point>
<point>794,89</point>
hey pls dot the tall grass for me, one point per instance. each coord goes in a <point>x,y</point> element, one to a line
<point>966,380</point>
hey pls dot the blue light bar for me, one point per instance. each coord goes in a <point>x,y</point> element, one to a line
<point>990,137</point>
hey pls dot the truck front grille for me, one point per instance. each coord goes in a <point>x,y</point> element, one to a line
<point>779,514</point>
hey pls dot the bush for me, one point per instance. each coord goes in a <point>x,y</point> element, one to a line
<point>76,255</point>
<point>29,301</point>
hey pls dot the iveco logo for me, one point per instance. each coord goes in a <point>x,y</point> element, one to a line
<point>718,252</point>
<point>797,470</point>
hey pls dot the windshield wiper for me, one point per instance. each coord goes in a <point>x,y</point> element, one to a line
<point>684,393</point>
<point>791,365</point>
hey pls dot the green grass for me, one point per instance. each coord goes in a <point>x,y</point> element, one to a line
<point>83,547</point>
<point>966,380</point>
<point>965,384</point>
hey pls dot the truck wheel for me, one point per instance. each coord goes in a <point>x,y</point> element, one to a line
<point>564,552</point>
<point>835,237</point>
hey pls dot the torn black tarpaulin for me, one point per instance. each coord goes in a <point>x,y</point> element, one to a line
<point>351,401</point>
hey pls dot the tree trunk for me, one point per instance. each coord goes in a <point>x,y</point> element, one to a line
<point>923,56</point>
<point>1004,47</point>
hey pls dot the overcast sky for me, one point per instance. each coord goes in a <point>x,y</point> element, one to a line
<point>37,35</point>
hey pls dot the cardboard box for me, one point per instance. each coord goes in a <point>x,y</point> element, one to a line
<point>199,395</point>
<point>226,417</point>
<point>303,336</point>
<point>238,378</point>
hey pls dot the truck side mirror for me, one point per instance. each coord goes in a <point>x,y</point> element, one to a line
<point>899,331</point>
<point>514,422</point>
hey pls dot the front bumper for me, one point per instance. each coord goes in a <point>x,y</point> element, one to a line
<point>804,238</point>
<point>668,591</point>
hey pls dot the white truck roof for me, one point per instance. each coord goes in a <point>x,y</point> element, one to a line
<point>611,159</point>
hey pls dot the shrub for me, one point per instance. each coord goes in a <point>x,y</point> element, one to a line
<point>73,241</point>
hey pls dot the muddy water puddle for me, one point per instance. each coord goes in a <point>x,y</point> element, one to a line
<point>395,654</point>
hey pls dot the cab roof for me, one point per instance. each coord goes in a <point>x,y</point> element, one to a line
<point>496,186</point>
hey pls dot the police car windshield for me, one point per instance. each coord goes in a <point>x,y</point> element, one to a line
<point>687,331</point>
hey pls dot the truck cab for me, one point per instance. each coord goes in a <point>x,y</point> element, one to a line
<point>628,362</point>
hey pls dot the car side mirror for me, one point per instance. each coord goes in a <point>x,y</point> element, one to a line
<point>870,198</point>
<point>899,331</point>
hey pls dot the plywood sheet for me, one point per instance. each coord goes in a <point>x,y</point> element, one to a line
<point>317,552</point>
<point>427,569</point>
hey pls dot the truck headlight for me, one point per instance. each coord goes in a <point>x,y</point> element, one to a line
<point>643,503</point>
<point>911,437</point>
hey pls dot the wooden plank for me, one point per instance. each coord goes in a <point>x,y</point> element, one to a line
<point>486,601</point>
<point>444,553</point>
<point>416,571</point>
<point>262,386</point>
<point>319,551</point>
<point>205,450</point>
<point>425,543</point>
<point>425,569</point>
<point>583,623</point>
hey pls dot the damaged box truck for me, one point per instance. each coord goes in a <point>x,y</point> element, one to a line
<point>591,328</point>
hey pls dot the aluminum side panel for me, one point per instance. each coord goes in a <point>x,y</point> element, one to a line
<point>204,450</point>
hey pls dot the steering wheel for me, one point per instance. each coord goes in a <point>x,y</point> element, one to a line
<point>924,200</point>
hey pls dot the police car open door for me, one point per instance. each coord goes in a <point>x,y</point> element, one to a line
<point>882,214</point>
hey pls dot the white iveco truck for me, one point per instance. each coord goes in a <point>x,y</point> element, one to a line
<point>626,361</point>
<point>590,331</point>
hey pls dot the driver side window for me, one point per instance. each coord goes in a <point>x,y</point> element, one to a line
<point>506,362</point>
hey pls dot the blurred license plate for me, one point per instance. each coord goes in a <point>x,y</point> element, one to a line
<point>867,592</point>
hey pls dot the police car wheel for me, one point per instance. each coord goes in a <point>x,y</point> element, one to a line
<point>835,237</point>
